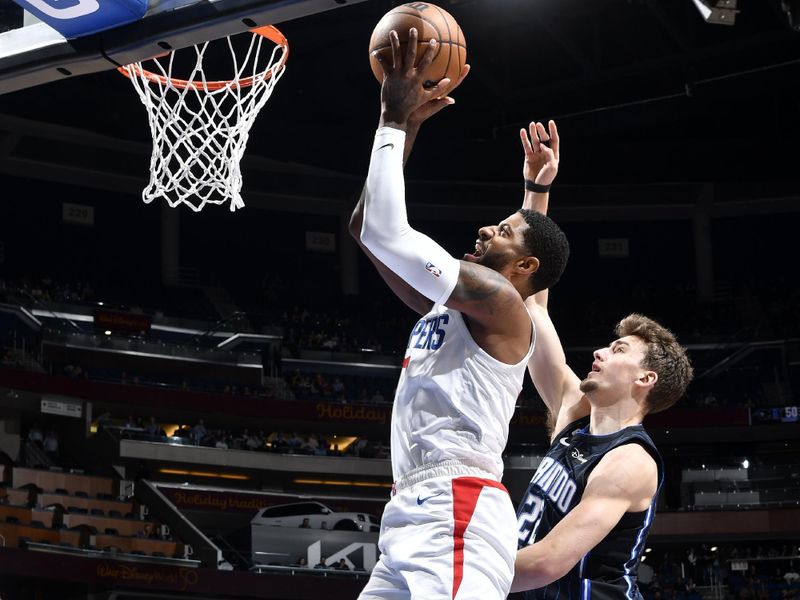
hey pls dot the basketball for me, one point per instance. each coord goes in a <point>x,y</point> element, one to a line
<point>431,22</point>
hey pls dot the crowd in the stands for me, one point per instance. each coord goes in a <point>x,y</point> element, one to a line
<point>259,440</point>
<point>763,572</point>
<point>343,329</point>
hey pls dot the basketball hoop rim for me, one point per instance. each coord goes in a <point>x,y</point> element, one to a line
<point>268,31</point>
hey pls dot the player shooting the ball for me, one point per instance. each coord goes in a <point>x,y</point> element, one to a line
<point>449,530</point>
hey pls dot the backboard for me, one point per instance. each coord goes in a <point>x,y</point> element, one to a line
<point>33,53</point>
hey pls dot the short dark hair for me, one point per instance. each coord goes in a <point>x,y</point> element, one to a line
<point>664,355</point>
<point>545,240</point>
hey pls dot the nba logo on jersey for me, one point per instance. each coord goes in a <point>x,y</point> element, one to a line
<point>433,269</point>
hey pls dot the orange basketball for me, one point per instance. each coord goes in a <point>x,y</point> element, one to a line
<point>431,22</point>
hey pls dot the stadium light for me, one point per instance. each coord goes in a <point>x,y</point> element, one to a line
<point>718,12</point>
<point>746,463</point>
<point>203,474</point>
<point>108,332</point>
<point>713,548</point>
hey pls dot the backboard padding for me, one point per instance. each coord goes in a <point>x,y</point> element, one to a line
<point>37,54</point>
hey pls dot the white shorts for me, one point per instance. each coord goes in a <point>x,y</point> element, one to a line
<point>445,536</point>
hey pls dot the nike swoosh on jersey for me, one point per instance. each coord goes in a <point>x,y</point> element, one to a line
<point>389,144</point>
<point>420,501</point>
<point>564,442</point>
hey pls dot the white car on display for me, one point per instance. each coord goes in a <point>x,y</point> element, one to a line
<point>293,515</point>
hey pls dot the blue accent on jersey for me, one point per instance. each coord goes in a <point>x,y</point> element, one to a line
<point>586,592</point>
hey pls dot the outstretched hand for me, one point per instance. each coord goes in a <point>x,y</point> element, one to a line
<point>403,91</point>
<point>541,147</point>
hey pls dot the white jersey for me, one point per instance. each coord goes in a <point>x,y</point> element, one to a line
<point>453,400</point>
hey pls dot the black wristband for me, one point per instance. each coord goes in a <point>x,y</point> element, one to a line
<point>532,186</point>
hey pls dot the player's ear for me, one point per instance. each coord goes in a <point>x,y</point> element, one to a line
<point>648,379</point>
<point>528,265</point>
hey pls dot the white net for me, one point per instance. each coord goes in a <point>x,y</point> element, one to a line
<point>200,127</point>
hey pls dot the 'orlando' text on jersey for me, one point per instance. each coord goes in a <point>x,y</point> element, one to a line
<point>608,572</point>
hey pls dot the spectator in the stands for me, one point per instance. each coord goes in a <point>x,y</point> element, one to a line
<point>220,439</point>
<point>256,441</point>
<point>51,445</point>
<point>35,433</point>
<point>152,427</point>
<point>295,442</point>
<point>198,432</point>
<point>338,390</point>
<point>322,447</point>
<point>240,441</point>
<point>317,384</point>
<point>791,576</point>
<point>322,564</point>
<point>310,444</point>
<point>279,442</point>
<point>342,565</point>
<point>306,524</point>
<point>359,446</point>
<point>130,422</point>
<point>301,562</point>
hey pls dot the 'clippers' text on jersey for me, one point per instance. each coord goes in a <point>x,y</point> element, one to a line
<point>453,400</point>
<point>429,333</point>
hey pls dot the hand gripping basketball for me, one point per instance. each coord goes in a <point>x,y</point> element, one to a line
<point>404,90</point>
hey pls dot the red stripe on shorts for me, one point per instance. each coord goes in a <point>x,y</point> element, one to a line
<point>465,497</point>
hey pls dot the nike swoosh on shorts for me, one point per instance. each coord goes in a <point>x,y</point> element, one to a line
<point>420,501</point>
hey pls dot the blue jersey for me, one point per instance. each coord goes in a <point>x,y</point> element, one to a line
<point>608,571</point>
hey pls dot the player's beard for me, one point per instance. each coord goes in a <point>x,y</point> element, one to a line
<point>494,261</point>
<point>588,386</point>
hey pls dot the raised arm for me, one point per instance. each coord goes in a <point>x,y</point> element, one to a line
<point>542,155</point>
<point>408,294</point>
<point>494,306</point>
<point>556,383</point>
<point>625,480</point>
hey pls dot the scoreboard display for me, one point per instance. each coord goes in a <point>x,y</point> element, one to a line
<point>778,414</point>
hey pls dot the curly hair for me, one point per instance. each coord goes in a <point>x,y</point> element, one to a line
<point>664,355</point>
<point>545,240</point>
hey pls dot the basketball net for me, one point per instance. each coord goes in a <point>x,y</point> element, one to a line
<point>200,128</point>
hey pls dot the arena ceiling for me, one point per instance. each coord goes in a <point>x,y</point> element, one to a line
<point>645,92</point>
